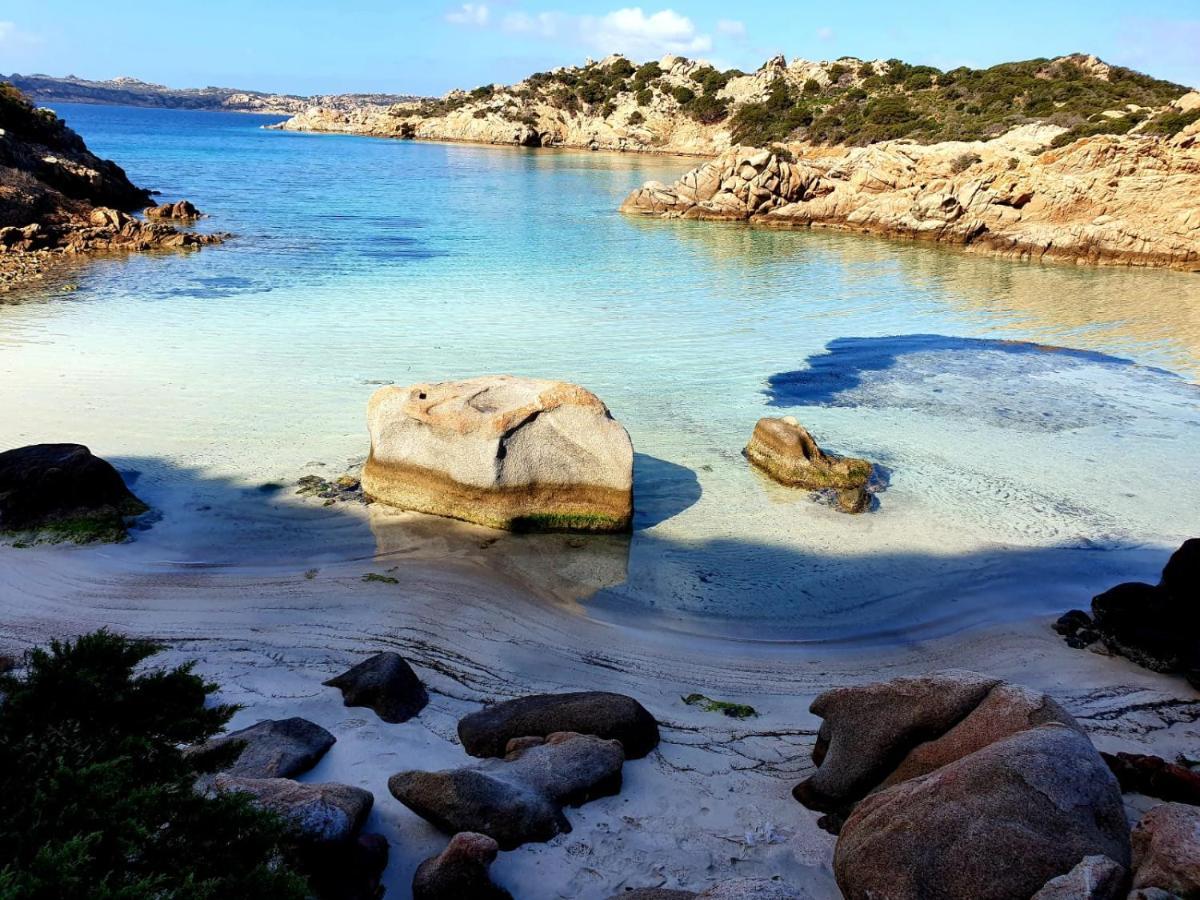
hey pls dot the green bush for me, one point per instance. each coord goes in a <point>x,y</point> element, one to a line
<point>1171,123</point>
<point>812,86</point>
<point>97,799</point>
<point>707,109</point>
<point>636,118</point>
<point>1118,125</point>
<point>683,95</point>
<point>644,96</point>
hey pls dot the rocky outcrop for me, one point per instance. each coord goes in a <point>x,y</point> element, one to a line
<point>520,454</point>
<point>63,491</point>
<point>272,748</point>
<point>385,683</point>
<point>785,450</point>
<point>58,199</point>
<point>1156,626</point>
<point>1123,200</point>
<point>520,798</point>
<point>958,785</point>
<point>1155,777</point>
<point>460,871</point>
<point>180,210</point>
<point>1166,850</point>
<point>610,716</point>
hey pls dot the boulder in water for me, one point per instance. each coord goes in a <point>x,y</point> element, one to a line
<point>785,450</point>
<point>515,453</point>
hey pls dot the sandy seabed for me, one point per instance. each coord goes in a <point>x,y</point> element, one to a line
<point>273,607</point>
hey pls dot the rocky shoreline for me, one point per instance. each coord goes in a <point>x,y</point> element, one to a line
<point>59,201</point>
<point>1106,200</point>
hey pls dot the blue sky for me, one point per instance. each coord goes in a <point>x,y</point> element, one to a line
<point>304,46</point>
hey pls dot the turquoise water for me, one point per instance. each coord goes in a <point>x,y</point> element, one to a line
<point>1016,477</point>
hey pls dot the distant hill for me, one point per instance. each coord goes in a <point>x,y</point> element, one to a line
<point>132,92</point>
<point>678,105</point>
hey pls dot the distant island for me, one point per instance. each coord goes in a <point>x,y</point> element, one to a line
<point>133,92</point>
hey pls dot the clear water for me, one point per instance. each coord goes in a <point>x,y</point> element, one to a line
<point>1019,477</point>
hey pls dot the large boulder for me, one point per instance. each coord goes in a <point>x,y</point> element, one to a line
<point>272,748</point>
<point>996,824</point>
<point>385,683</point>
<point>460,871</point>
<point>64,488</point>
<point>875,735</point>
<point>785,450</point>
<point>1157,626</point>
<point>1166,850</point>
<point>514,453</point>
<point>520,798</point>
<point>613,716</point>
<point>318,812</point>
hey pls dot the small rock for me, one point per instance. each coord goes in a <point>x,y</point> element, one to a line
<point>273,748</point>
<point>1155,777</point>
<point>785,450</point>
<point>320,812</point>
<point>614,716</point>
<point>385,683</point>
<point>1095,878</point>
<point>1166,850</point>
<point>460,872</point>
<point>520,798</point>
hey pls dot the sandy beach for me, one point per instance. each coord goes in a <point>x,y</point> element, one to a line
<point>270,598</point>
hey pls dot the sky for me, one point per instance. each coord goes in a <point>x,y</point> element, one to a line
<point>427,48</point>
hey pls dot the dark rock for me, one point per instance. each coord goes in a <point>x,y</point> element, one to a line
<point>349,870</point>
<point>996,824</point>
<point>47,485</point>
<point>273,748</point>
<point>1166,850</point>
<point>385,683</point>
<point>325,813</point>
<point>1157,626</point>
<point>183,211</point>
<point>654,894</point>
<point>614,716</point>
<point>1095,878</point>
<point>460,872</point>
<point>519,798</point>
<point>1071,622</point>
<point>1155,777</point>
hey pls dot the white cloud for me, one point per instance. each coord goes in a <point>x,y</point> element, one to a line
<point>731,28</point>
<point>630,31</point>
<point>474,15</point>
<point>825,34</point>
<point>7,30</point>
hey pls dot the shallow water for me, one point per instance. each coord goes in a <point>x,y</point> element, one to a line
<point>1018,476</point>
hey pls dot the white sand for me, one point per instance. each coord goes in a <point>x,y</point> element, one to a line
<point>714,800</point>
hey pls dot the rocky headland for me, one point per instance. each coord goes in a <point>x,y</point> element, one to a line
<point>59,200</point>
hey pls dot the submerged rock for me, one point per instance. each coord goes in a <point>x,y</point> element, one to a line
<point>785,450</point>
<point>272,748</point>
<point>612,716</point>
<point>1166,850</point>
<point>385,683</point>
<point>65,491</point>
<point>520,798</point>
<point>513,453</point>
<point>460,871</point>
<point>1157,626</point>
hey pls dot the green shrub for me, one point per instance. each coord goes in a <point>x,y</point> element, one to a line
<point>621,68</point>
<point>683,95</point>
<point>97,799</point>
<point>644,96</point>
<point>647,72</point>
<point>1103,125</point>
<point>636,118</point>
<point>708,109</point>
<point>1171,123</point>
<point>812,86</point>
